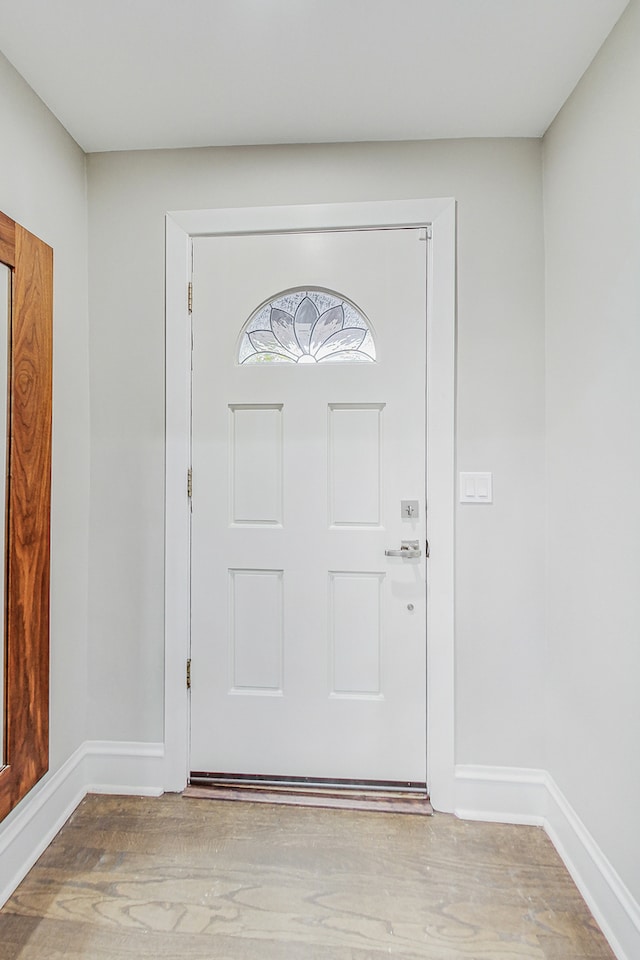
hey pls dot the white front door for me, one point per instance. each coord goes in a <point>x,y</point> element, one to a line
<point>308,642</point>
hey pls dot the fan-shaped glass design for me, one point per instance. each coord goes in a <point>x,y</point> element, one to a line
<point>307,326</point>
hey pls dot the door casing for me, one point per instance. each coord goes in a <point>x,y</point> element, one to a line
<point>438,217</point>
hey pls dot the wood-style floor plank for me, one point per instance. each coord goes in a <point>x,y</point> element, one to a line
<point>196,879</point>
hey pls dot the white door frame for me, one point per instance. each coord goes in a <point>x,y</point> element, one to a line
<point>181,227</point>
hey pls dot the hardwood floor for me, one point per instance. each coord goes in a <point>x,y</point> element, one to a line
<point>208,880</point>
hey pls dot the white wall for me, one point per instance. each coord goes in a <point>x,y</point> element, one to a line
<point>592,235</point>
<point>499,640</point>
<point>43,187</point>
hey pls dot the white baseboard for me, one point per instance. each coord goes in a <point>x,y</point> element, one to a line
<point>95,767</point>
<point>501,794</point>
<point>135,769</point>
<point>516,795</point>
<point>29,829</point>
<point>608,898</point>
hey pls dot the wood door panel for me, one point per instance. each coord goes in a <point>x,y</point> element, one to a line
<point>28,521</point>
<point>7,240</point>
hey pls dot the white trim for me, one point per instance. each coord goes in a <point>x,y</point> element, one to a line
<point>441,358</point>
<point>607,896</point>
<point>95,767</point>
<point>181,227</point>
<point>177,515</point>
<point>30,828</point>
<point>501,794</point>
<point>130,768</point>
<point>376,215</point>
<point>516,795</point>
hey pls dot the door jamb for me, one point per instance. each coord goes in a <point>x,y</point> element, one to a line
<point>181,226</point>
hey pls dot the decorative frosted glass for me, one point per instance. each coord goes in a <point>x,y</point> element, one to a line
<point>307,326</point>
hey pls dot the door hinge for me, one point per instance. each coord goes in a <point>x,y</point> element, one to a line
<point>425,233</point>
<point>188,674</point>
<point>189,483</point>
<point>426,552</point>
<point>190,296</point>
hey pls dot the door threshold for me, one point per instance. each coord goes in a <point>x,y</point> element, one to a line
<point>382,798</point>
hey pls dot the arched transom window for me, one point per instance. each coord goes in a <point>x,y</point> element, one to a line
<point>307,326</point>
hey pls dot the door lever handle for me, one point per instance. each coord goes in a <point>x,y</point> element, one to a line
<point>409,549</point>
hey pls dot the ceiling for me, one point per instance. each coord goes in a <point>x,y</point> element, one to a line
<point>133,74</point>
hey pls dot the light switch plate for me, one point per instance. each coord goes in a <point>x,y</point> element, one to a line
<point>476,488</point>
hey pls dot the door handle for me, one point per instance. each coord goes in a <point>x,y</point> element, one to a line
<point>409,549</point>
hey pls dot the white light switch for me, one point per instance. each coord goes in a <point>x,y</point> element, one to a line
<point>476,488</point>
